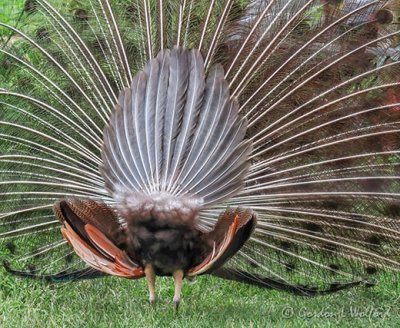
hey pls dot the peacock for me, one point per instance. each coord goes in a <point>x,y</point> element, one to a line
<point>253,140</point>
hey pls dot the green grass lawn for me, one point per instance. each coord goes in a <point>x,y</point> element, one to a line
<point>210,302</point>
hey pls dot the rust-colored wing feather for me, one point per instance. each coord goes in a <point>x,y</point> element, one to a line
<point>83,221</point>
<point>232,230</point>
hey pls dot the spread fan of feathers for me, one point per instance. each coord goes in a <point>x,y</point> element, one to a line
<point>136,125</point>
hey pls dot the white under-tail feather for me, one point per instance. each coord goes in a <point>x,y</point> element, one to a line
<point>200,129</point>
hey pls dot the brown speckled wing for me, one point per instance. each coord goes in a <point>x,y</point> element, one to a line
<point>233,229</point>
<point>93,231</point>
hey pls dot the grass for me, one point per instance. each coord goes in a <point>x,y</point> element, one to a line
<point>210,302</point>
<point>10,11</point>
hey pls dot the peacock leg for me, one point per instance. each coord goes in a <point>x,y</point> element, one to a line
<point>151,281</point>
<point>178,278</point>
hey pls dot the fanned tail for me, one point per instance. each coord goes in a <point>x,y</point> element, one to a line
<point>312,85</point>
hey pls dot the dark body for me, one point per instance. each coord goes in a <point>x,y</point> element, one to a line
<point>168,246</point>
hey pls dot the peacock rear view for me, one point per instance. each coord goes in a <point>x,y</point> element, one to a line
<point>256,141</point>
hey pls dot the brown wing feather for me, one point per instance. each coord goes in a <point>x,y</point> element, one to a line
<point>232,230</point>
<point>91,212</point>
<point>83,222</point>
